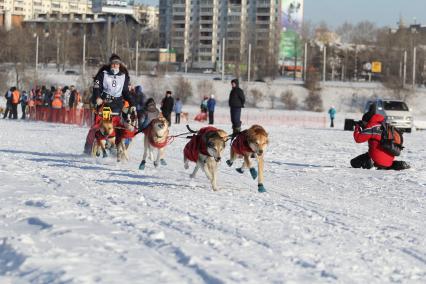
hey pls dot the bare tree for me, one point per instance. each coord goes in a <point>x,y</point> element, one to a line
<point>290,102</point>
<point>183,89</point>
<point>205,88</point>
<point>256,96</point>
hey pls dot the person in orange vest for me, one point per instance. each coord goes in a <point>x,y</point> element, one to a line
<point>57,100</point>
<point>16,98</point>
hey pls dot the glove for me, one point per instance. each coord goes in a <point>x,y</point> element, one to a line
<point>99,101</point>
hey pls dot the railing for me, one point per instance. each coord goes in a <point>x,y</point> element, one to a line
<point>81,117</point>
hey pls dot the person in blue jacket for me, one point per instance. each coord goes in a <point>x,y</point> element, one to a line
<point>332,113</point>
<point>24,102</point>
<point>178,110</point>
<point>211,104</point>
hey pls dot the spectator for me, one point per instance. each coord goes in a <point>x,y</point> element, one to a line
<point>57,102</point>
<point>140,99</point>
<point>24,102</point>
<point>16,98</point>
<point>72,101</point>
<point>47,95</point>
<point>332,113</point>
<point>149,112</point>
<point>8,110</point>
<point>370,130</point>
<point>66,96</point>
<point>178,110</point>
<point>167,106</point>
<point>236,102</point>
<point>211,104</point>
<point>203,105</point>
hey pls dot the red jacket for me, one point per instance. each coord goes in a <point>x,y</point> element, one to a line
<point>240,144</point>
<point>196,145</point>
<point>373,134</point>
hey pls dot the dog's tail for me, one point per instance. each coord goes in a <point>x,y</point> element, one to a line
<point>191,130</point>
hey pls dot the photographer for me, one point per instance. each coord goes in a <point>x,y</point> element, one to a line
<point>370,129</point>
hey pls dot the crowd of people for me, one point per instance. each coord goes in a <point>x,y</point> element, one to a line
<point>55,98</point>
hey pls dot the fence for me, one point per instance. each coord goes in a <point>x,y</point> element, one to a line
<point>81,117</point>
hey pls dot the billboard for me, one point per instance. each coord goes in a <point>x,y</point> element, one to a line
<point>113,6</point>
<point>291,27</point>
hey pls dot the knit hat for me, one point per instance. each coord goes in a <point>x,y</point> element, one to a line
<point>115,59</point>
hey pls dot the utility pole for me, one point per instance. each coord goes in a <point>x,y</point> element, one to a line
<point>84,54</point>
<point>305,63</point>
<point>109,45</point>
<point>223,59</point>
<point>36,65</point>
<point>324,67</point>
<point>167,63</point>
<point>404,79</point>
<point>57,51</point>
<point>356,63</point>
<point>414,66</point>
<point>137,57</point>
<point>249,63</point>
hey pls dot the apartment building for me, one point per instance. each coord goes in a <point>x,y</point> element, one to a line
<point>13,12</point>
<point>195,29</point>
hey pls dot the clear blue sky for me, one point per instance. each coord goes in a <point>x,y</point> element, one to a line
<point>381,12</point>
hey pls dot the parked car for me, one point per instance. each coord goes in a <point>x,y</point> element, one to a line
<point>396,112</point>
<point>71,72</point>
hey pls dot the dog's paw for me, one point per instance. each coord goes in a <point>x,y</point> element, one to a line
<point>192,176</point>
<point>253,173</point>
<point>215,189</point>
<point>104,154</point>
<point>98,154</point>
<point>142,165</point>
<point>240,170</point>
<point>186,166</point>
<point>261,188</point>
<point>155,164</point>
<point>163,162</point>
<point>229,163</point>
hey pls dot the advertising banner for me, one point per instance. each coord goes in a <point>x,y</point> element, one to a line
<point>291,26</point>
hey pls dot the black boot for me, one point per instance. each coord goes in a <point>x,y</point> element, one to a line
<point>399,166</point>
<point>235,131</point>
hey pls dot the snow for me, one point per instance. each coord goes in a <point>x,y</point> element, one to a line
<point>68,218</point>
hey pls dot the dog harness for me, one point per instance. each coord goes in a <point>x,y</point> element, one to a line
<point>197,145</point>
<point>240,144</point>
<point>148,131</point>
<point>103,136</point>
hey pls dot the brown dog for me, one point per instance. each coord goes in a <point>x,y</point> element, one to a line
<point>104,134</point>
<point>155,140</point>
<point>205,150</point>
<point>250,142</point>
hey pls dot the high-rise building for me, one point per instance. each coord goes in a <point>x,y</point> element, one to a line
<point>195,29</point>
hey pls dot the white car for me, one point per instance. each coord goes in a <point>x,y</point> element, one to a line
<point>396,112</point>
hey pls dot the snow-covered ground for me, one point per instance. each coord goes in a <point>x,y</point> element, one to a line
<point>67,218</point>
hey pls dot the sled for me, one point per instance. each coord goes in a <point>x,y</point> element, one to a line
<point>201,117</point>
